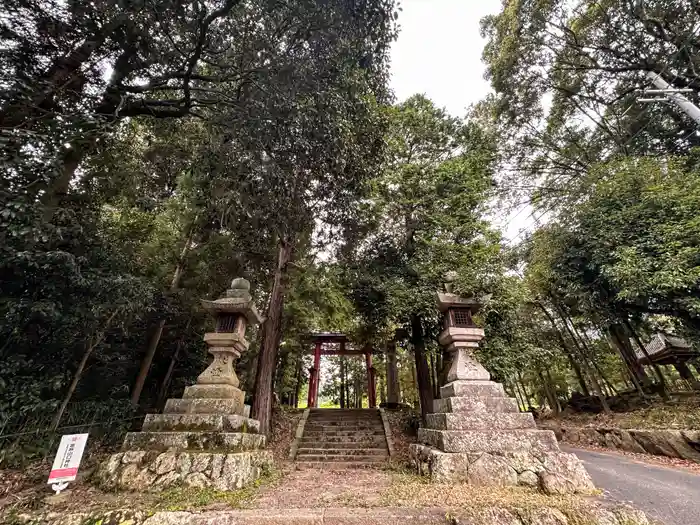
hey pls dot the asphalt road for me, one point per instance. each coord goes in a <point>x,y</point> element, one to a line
<point>670,495</point>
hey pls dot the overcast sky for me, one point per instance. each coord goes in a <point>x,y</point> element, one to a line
<point>438,53</point>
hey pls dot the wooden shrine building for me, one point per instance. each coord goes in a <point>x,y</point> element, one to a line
<point>664,349</point>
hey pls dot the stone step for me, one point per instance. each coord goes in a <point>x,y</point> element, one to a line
<point>343,436</point>
<point>333,428</point>
<point>478,441</point>
<point>200,422</point>
<point>473,389</point>
<point>343,424</point>
<point>228,442</point>
<point>344,451</point>
<point>346,417</point>
<point>349,432</point>
<point>458,405</point>
<point>341,411</point>
<point>309,443</point>
<point>203,406</point>
<point>481,421</point>
<point>345,420</point>
<point>348,458</point>
<point>336,465</point>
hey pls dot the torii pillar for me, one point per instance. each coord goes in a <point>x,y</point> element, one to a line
<point>371,381</point>
<point>314,372</point>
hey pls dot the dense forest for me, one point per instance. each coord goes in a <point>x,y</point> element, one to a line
<point>151,152</point>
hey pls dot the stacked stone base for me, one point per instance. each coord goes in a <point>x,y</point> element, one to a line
<point>477,435</point>
<point>152,471</point>
<point>199,441</point>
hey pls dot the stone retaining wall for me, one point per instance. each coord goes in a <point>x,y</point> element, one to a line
<point>684,444</point>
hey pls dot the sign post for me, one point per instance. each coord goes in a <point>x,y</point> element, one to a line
<point>65,465</point>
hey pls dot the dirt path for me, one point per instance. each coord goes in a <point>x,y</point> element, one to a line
<point>325,488</point>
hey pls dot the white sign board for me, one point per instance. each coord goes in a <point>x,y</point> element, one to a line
<point>70,452</point>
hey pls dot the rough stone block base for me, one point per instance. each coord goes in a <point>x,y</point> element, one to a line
<point>200,422</point>
<point>476,441</point>
<point>204,406</point>
<point>554,473</point>
<point>206,441</point>
<point>152,471</point>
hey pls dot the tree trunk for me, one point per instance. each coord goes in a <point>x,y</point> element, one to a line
<point>382,391</point>
<point>553,390</point>
<point>347,387</point>
<point>636,371</point>
<point>589,352</point>
<point>657,370</point>
<point>342,381</point>
<point>272,333</point>
<point>551,401</point>
<point>569,354</point>
<point>433,376</point>
<point>521,382</point>
<point>523,393</point>
<point>300,379</point>
<point>517,395</point>
<point>58,188</point>
<point>579,374</point>
<point>425,391</point>
<point>392,374</point>
<point>90,346</point>
<point>66,69</point>
<point>414,378</point>
<point>591,375</point>
<point>158,333</point>
<point>70,158</point>
<point>165,384</point>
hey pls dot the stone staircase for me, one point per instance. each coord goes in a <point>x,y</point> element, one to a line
<point>342,438</point>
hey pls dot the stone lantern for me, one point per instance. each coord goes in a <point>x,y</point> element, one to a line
<point>202,439</point>
<point>476,433</point>
<point>460,337</point>
<point>232,314</point>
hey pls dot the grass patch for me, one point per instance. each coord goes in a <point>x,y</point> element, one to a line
<point>186,498</point>
<point>413,491</point>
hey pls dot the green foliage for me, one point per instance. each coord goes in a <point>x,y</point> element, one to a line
<point>641,229</point>
<point>425,216</point>
<point>112,226</point>
<point>566,99</point>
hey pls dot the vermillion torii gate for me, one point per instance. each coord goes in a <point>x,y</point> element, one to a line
<point>340,347</point>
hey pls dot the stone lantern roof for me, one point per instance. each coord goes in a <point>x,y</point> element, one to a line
<point>237,299</point>
<point>448,299</point>
<point>445,301</point>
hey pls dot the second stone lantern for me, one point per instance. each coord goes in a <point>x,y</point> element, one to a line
<point>460,337</point>
<point>476,433</point>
